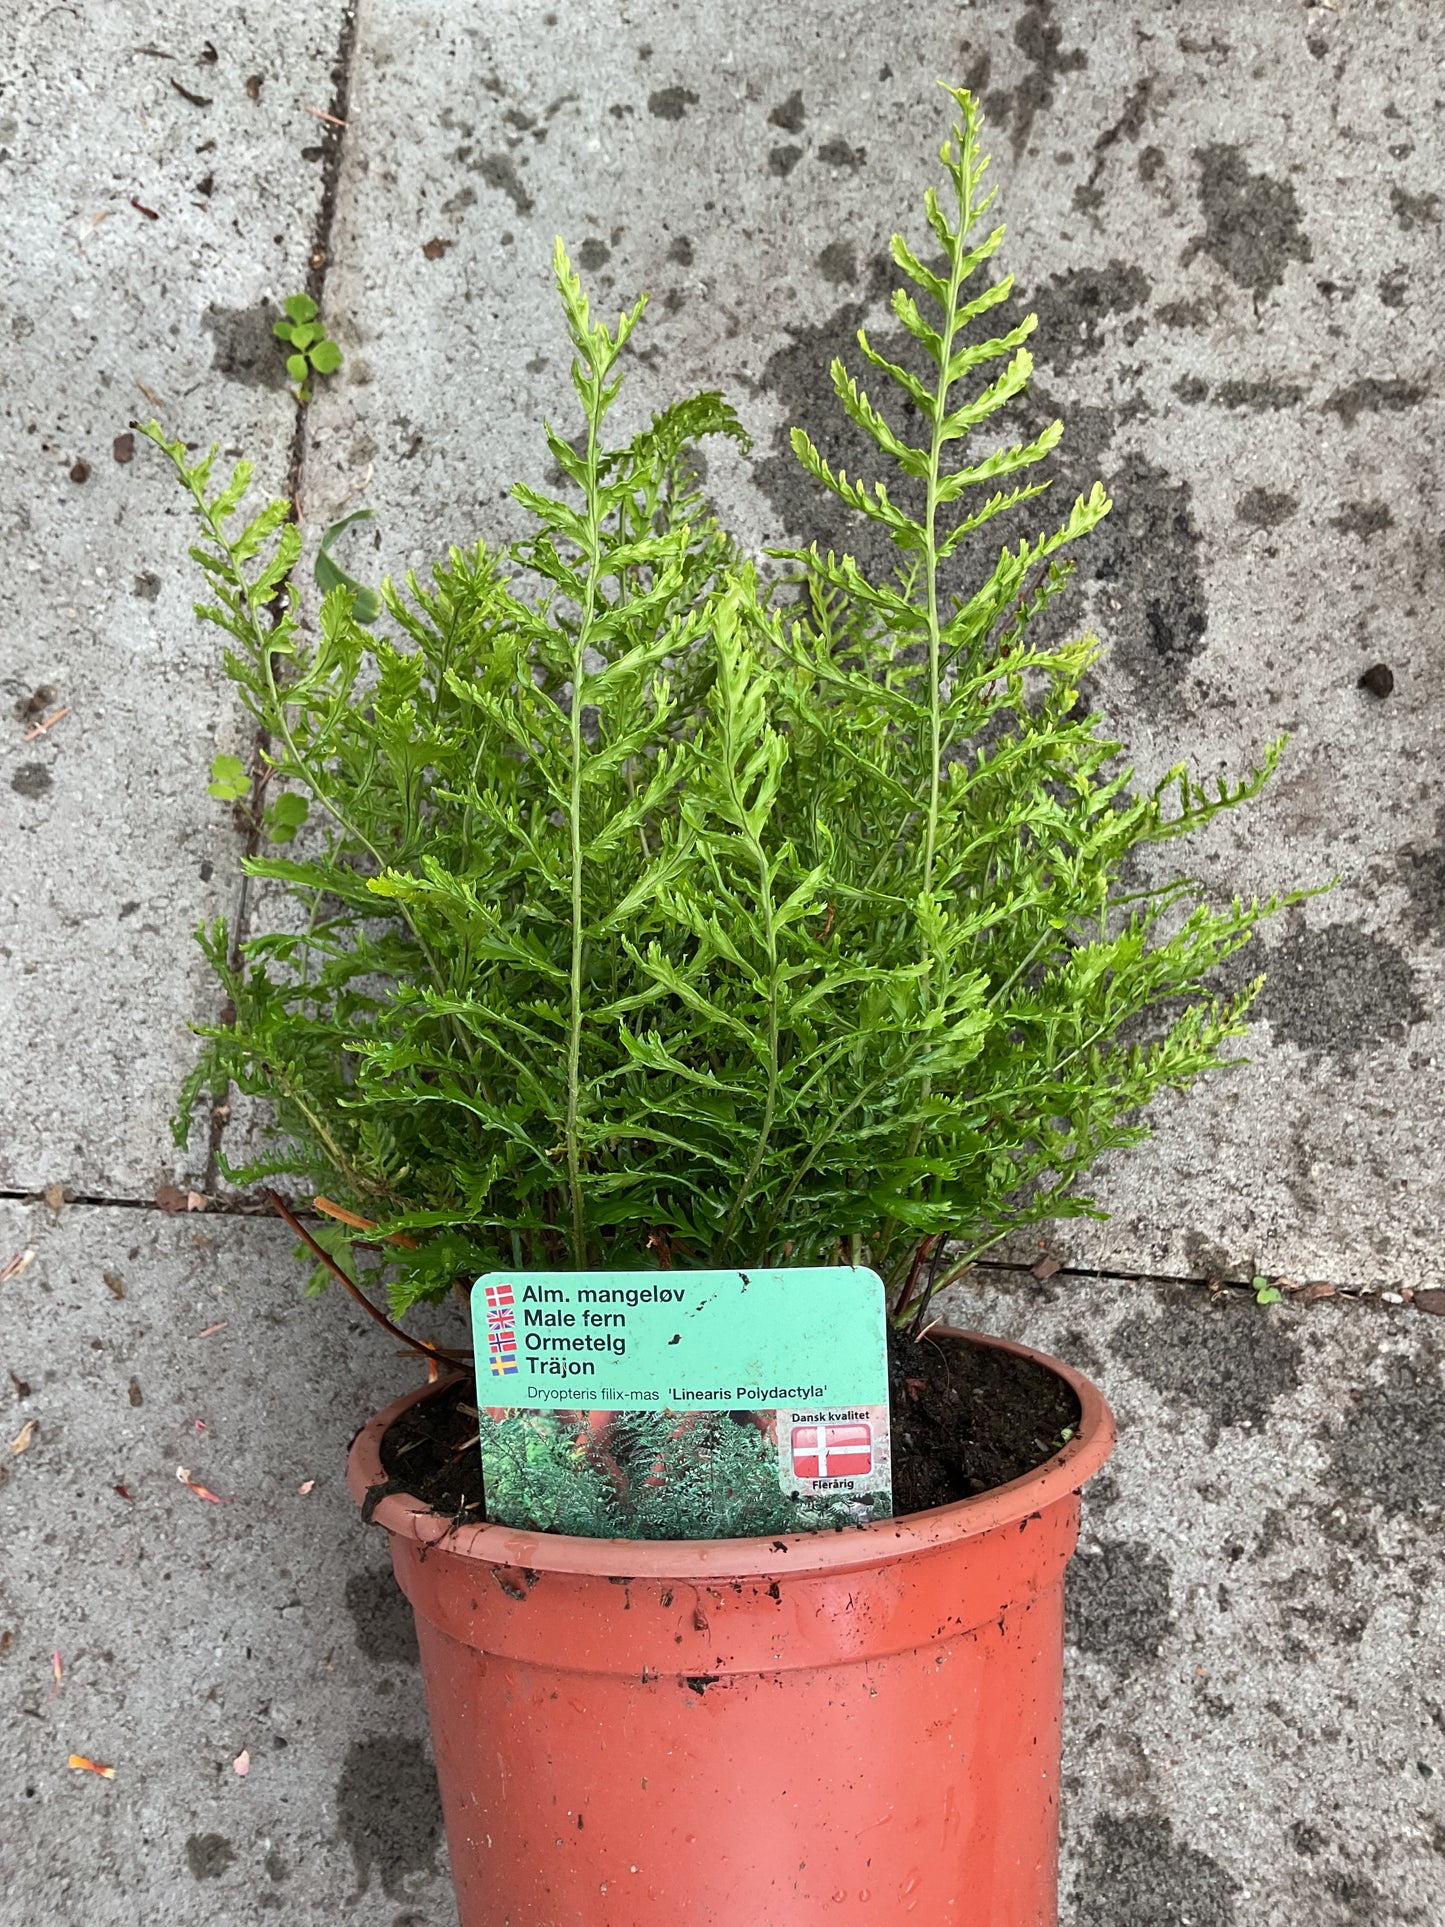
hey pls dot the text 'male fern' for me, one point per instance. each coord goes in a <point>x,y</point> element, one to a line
<point>651,913</point>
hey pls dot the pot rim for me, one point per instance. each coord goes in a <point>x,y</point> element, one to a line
<point>801,1553</point>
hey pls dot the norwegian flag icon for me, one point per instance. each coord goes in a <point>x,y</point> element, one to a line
<point>843,1451</point>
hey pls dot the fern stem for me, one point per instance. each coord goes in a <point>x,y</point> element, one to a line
<point>283,729</point>
<point>919,1308</point>
<point>433,1352</point>
<point>930,517</point>
<point>376,1187</point>
<point>262,646</point>
<point>574,1020</point>
<point>930,532</point>
<point>770,1102</point>
<point>595,405</point>
<point>822,1140</point>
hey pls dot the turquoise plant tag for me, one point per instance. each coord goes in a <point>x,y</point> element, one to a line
<point>683,1404</point>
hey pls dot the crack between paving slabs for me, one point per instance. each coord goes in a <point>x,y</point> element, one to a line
<point>333,130</point>
<point>240,1206</point>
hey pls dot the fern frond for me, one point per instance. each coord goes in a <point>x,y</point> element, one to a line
<point>641,906</point>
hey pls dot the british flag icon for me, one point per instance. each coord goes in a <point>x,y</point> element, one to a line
<point>840,1451</point>
<point>501,1331</point>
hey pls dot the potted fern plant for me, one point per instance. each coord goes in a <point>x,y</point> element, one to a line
<point>652,913</point>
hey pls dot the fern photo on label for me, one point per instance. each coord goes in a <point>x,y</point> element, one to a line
<point>652,1475</point>
<point>662,905</point>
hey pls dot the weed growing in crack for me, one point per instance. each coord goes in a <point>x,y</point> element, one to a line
<point>313,352</point>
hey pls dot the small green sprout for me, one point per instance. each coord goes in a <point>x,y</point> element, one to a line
<point>313,351</point>
<point>1264,1292</point>
<point>284,817</point>
<point>229,782</point>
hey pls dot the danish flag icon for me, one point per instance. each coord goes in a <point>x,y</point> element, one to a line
<point>833,1451</point>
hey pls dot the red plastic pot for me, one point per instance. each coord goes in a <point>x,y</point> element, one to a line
<point>840,1728</point>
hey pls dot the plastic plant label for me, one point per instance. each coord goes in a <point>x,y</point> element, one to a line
<point>683,1404</point>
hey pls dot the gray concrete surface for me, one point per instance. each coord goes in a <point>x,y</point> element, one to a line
<point>113,852</point>
<point>1255,1721</point>
<point>191,1632</point>
<point>1228,218</point>
<point>1255,1724</point>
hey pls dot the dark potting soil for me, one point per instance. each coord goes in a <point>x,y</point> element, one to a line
<point>966,1418</point>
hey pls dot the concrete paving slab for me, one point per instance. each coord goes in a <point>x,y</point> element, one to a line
<point>164,182</point>
<point>1229,232</point>
<point>1254,1722</point>
<point>191,1633</point>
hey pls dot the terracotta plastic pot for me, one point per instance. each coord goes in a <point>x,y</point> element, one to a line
<point>850,1727</point>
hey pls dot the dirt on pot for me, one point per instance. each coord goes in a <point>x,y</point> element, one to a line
<point>966,1418</point>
